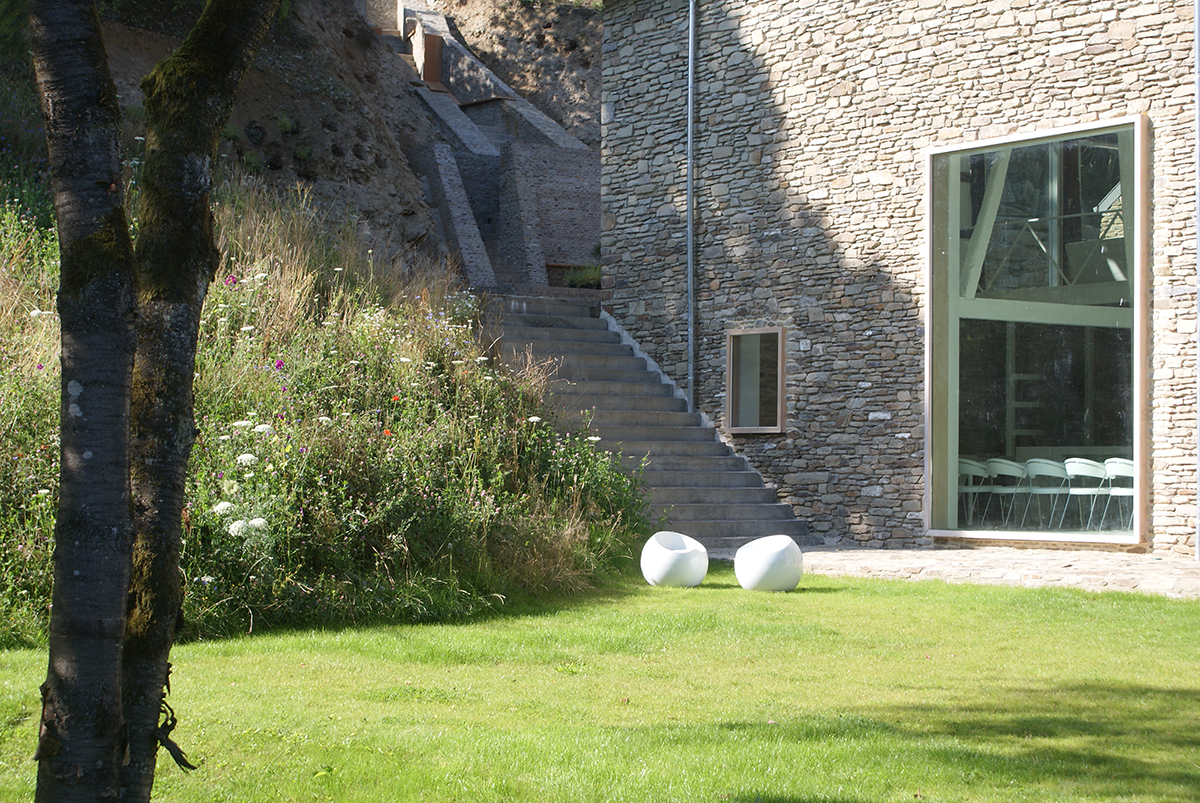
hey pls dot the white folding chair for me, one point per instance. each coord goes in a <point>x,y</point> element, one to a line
<point>972,481</point>
<point>1120,485</point>
<point>1045,478</point>
<point>1008,479</point>
<point>1088,480</point>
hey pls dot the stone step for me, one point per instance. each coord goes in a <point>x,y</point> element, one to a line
<point>720,548</point>
<point>527,305</point>
<point>659,480</point>
<point>656,448</point>
<point>721,533</point>
<point>511,321</point>
<point>635,366</point>
<point>626,434</point>
<point>701,495</point>
<point>731,464</point>
<point>638,418</point>
<point>557,334</point>
<point>546,348</point>
<point>588,373</point>
<point>614,403</point>
<point>570,389</point>
<point>722,512</point>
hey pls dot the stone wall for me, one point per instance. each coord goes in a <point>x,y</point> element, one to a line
<point>565,185</point>
<point>812,119</point>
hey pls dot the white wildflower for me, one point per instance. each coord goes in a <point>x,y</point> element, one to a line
<point>265,429</point>
<point>241,424</point>
<point>247,328</point>
<point>324,419</point>
<point>246,459</point>
<point>237,528</point>
<point>405,359</point>
<point>594,438</point>
<point>43,492</point>
<point>221,508</point>
<point>533,419</point>
<point>481,359</point>
<point>257,524</point>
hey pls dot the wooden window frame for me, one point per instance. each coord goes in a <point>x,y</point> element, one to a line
<point>780,425</point>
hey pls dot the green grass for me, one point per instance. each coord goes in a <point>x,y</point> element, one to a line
<point>847,690</point>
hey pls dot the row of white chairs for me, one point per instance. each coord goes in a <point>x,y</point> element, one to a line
<point>1078,478</point>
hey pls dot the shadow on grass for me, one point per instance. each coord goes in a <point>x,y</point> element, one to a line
<point>1107,739</point>
<point>1084,741</point>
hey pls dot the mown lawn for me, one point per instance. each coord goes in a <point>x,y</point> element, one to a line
<point>847,690</point>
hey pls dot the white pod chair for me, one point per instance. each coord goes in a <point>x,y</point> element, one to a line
<point>773,563</point>
<point>674,559</point>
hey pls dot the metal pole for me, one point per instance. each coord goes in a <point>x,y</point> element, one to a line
<point>691,245</point>
<point>1196,64</point>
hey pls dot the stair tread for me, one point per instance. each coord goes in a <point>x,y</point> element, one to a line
<point>695,482</point>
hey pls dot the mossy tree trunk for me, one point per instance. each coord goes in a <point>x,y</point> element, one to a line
<point>80,743</point>
<point>130,323</point>
<point>189,97</point>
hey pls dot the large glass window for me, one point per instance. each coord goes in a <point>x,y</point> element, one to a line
<point>1035,252</point>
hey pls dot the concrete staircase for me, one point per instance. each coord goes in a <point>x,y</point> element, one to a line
<point>701,487</point>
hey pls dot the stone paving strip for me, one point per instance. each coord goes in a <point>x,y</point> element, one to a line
<point>1169,575</point>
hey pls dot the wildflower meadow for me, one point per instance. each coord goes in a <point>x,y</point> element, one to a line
<point>362,455</point>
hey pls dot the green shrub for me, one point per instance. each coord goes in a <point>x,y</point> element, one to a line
<point>360,456</point>
<point>253,162</point>
<point>587,276</point>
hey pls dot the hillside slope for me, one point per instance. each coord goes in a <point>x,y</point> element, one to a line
<point>550,53</point>
<point>330,107</point>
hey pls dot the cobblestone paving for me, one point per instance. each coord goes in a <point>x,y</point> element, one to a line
<point>1171,576</point>
<point>1092,571</point>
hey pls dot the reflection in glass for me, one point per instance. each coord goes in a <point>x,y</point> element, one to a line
<point>1033,260</point>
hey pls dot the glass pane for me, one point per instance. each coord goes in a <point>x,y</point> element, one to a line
<point>1045,223</point>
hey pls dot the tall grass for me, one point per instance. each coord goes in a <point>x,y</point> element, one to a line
<point>362,456</point>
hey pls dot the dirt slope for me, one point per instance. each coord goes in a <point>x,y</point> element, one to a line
<point>326,105</point>
<point>329,106</point>
<point>548,52</point>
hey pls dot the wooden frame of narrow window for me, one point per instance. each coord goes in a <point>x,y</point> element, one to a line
<point>741,419</point>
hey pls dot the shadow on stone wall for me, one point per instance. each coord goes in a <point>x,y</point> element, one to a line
<point>782,239</point>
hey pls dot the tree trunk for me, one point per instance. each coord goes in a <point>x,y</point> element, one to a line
<point>189,97</point>
<point>129,333</point>
<point>81,740</point>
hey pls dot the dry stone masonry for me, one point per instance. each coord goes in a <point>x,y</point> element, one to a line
<point>812,123</point>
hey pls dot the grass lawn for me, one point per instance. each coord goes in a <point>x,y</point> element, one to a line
<point>847,690</point>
